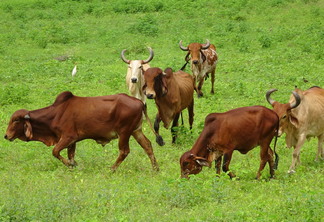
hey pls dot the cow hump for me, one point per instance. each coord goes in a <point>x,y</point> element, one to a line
<point>62,97</point>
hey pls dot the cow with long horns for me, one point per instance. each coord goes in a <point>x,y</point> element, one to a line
<point>203,59</point>
<point>301,118</point>
<point>134,77</point>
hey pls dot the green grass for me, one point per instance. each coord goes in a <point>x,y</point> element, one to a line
<point>261,45</point>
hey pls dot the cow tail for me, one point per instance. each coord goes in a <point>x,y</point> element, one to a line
<point>276,155</point>
<point>159,138</point>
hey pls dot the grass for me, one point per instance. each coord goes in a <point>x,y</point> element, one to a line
<point>261,45</point>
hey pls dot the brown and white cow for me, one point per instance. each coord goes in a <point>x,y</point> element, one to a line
<point>301,118</point>
<point>134,76</point>
<point>203,59</point>
<point>71,119</point>
<point>172,92</point>
<point>239,129</point>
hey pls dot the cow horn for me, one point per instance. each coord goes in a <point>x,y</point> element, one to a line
<point>123,57</point>
<point>271,101</point>
<point>27,116</point>
<point>297,100</point>
<point>206,46</point>
<point>182,47</point>
<point>150,57</point>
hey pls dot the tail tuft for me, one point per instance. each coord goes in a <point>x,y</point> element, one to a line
<point>159,140</point>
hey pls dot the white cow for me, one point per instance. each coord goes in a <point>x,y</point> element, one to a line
<point>135,77</point>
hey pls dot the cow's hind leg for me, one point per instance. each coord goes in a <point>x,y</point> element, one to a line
<point>191,113</point>
<point>123,144</point>
<point>320,151</point>
<point>226,162</point>
<point>147,146</point>
<point>266,155</point>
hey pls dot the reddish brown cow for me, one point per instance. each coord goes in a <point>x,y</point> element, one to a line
<point>239,129</point>
<point>71,119</point>
<point>301,118</point>
<point>203,61</point>
<point>172,92</point>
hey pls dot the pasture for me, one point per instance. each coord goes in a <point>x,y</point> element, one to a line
<point>260,44</point>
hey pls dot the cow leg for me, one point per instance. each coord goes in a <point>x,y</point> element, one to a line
<point>320,151</point>
<point>191,113</point>
<point>63,143</point>
<point>123,144</point>
<point>296,153</point>
<point>174,124</point>
<point>226,162</point>
<point>212,81</point>
<point>71,153</point>
<point>157,121</point>
<point>147,146</point>
<point>201,82</point>
<point>266,155</point>
<point>218,163</point>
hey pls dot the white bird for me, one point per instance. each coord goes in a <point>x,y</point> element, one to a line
<point>74,71</point>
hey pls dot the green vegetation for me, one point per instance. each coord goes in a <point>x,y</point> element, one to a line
<point>261,45</point>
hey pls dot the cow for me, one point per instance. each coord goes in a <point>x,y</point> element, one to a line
<point>203,59</point>
<point>172,92</point>
<point>134,77</point>
<point>71,119</point>
<point>239,129</point>
<point>300,119</point>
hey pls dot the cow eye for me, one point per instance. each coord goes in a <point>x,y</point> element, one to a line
<point>140,67</point>
<point>284,117</point>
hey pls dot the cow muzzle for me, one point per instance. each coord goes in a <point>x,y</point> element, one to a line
<point>134,80</point>
<point>195,62</point>
<point>150,96</point>
<point>8,138</point>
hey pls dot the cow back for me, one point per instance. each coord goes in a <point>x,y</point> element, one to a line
<point>186,87</point>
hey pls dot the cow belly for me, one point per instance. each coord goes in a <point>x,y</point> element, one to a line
<point>105,140</point>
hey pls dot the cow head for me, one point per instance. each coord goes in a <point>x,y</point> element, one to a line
<point>284,110</point>
<point>191,164</point>
<point>156,82</point>
<point>136,66</point>
<point>194,51</point>
<point>19,126</point>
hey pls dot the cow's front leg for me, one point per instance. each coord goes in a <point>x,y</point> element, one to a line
<point>226,163</point>
<point>173,130</point>
<point>295,156</point>
<point>212,82</point>
<point>199,88</point>
<point>63,143</point>
<point>218,163</point>
<point>157,121</point>
<point>71,153</point>
<point>320,151</point>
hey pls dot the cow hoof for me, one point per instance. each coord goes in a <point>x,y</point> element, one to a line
<point>200,95</point>
<point>160,141</point>
<point>291,171</point>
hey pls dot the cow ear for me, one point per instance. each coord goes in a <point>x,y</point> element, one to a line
<point>293,120</point>
<point>28,130</point>
<point>202,161</point>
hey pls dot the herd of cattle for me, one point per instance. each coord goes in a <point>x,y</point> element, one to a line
<point>71,118</point>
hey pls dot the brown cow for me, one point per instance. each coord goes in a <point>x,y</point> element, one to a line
<point>172,92</point>
<point>71,119</point>
<point>301,118</point>
<point>203,61</point>
<point>239,129</point>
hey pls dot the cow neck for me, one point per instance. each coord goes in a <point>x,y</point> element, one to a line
<point>41,121</point>
<point>200,148</point>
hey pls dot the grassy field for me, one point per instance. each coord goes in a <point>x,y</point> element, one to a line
<point>261,45</point>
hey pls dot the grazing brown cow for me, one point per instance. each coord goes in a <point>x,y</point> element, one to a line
<point>134,77</point>
<point>172,92</point>
<point>301,118</point>
<point>71,119</point>
<point>203,61</point>
<point>239,129</point>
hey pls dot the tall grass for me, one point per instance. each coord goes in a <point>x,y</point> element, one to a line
<point>261,45</point>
